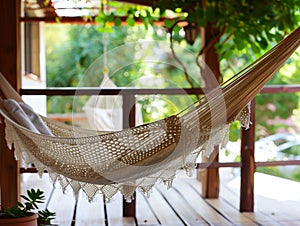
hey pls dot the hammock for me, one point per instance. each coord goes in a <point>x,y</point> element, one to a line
<point>138,157</point>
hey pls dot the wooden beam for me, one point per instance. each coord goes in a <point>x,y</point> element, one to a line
<point>81,20</point>
<point>139,2</point>
<point>10,67</point>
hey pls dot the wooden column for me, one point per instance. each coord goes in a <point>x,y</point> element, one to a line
<point>248,165</point>
<point>210,177</point>
<point>10,67</point>
<point>129,208</point>
<point>210,181</point>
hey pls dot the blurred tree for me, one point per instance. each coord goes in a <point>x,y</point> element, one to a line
<point>245,29</point>
<point>76,58</point>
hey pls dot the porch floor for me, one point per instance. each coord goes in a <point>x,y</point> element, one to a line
<point>277,202</point>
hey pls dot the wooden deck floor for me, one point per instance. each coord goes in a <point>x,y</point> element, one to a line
<point>277,202</point>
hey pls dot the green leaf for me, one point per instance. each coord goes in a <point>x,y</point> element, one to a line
<point>168,23</point>
<point>146,24</point>
<point>25,198</point>
<point>101,17</point>
<point>210,14</point>
<point>130,21</point>
<point>270,36</point>
<point>117,21</point>
<point>162,7</point>
<point>239,43</point>
<point>278,37</point>
<point>176,28</point>
<point>201,21</point>
<point>19,204</point>
<point>46,216</point>
<point>254,47</point>
<point>262,42</point>
<point>234,134</point>
<point>98,19</point>
<point>110,17</point>
<point>105,29</point>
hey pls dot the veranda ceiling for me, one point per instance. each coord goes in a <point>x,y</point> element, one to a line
<point>74,10</point>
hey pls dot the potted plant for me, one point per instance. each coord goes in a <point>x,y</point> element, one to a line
<point>27,213</point>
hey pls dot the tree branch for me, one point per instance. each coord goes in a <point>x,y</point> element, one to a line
<point>176,58</point>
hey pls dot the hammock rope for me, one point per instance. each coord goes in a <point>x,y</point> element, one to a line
<point>138,157</point>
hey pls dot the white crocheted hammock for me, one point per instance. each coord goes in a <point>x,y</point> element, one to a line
<point>138,157</point>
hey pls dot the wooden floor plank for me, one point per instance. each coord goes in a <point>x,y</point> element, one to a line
<point>162,210</point>
<point>232,198</point>
<point>290,223</point>
<point>144,213</point>
<point>279,211</point>
<point>262,219</point>
<point>227,210</point>
<point>257,216</point>
<point>193,197</point>
<point>277,203</point>
<point>183,209</point>
<point>282,208</point>
<point>89,213</point>
<point>287,205</point>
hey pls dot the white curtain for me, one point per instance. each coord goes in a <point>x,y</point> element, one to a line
<point>104,112</point>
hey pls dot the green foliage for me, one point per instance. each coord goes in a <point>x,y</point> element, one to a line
<point>291,151</point>
<point>288,172</point>
<point>82,64</point>
<point>68,59</point>
<point>248,24</point>
<point>247,29</point>
<point>132,12</point>
<point>272,110</point>
<point>234,134</point>
<point>31,201</point>
<point>277,107</point>
<point>45,217</point>
<point>271,170</point>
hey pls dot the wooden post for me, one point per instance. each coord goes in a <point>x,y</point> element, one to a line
<point>210,177</point>
<point>210,181</point>
<point>248,165</point>
<point>10,67</point>
<point>129,208</point>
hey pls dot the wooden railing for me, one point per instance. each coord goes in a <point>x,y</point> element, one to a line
<point>247,163</point>
<point>129,94</point>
